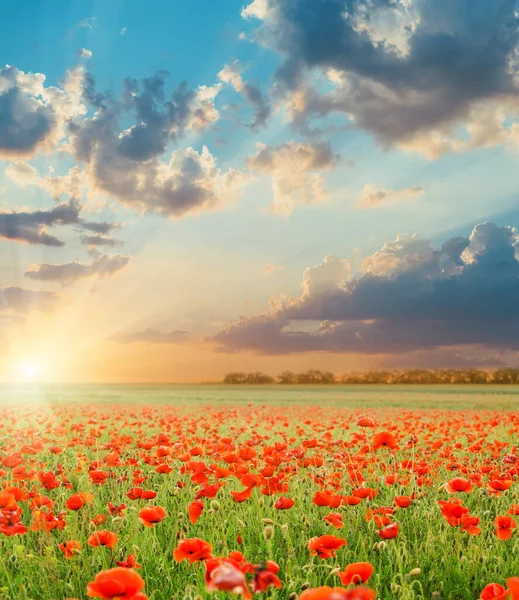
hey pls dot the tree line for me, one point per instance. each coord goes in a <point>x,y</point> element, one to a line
<point>409,376</point>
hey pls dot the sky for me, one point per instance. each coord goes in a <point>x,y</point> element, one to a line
<point>192,188</point>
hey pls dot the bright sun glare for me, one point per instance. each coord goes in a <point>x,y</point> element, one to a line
<point>29,371</point>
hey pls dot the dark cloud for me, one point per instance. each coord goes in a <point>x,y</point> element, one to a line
<point>151,336</point>
<point>20,300</point>
<point>25,123</point>
<point>101,266</point>
<point>32,116</point>
<point>30,227</point>
<point>399,69</point>
<point>410,296</point>
<point>96,239</point>
<point>252,94</point>
<point>127,162</point>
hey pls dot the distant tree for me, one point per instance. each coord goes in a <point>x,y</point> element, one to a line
<point>287,378</point>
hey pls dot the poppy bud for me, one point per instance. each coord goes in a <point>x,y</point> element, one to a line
<point>198,597</point>
<point>436,596</point>
<point>240,523</point>
<point>267,521</point>
<point>335,571</point>
<point>215,505</point>
<point>284,527</point>
<point>292,596</point>
<point>261,502</point>
<point>415,571</point>
<point>268,532</point>
<point>381,545</point>
<point>305,585</point>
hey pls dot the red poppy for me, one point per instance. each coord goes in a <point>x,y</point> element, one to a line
<point>226,575</point>
<point>494,591</point>
<point>458,484</point>
<point>265,576</point>
<point>194,510</point>
<point>284,503</point>
<point>366,422</point>
<point>116,584</point>
<point>384,439</point>
<point>129,563</point>
<point>504,527</point>
<point>402,501</point>
<point>356,573</point>
<point>241,496</point>
<point>103,538</point>
<point>389,532</point>
<point>192,550</point>
<point>334,519</point>
<point>69,548</point>
<point>338,593</point>
<point>325,545</point>
<point>151,515</point>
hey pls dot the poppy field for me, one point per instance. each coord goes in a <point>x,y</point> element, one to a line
<point>158,501</point>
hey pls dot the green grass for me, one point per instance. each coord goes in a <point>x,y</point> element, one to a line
<point>453,564</point>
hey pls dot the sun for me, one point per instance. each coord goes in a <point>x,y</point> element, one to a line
<point>29,371</point>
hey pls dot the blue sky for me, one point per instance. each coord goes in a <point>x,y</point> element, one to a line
<point>321,173</point>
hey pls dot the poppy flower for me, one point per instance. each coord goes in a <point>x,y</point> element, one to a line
<point>338,593</point>
<point>402,501</point>
<point>192,550</point>
<point>389,532</point>
<point>284,503</point>
<point>103,538</point>
<point>69,548</point>
<point>384,439</point>
<point>225,575</point>
<point>325,545</point>
<point>366,422</point>
<point>356,573</point>
<point>512,584</point>
<point>469,523</point>
<point>116,584</point>
<point>504,527</point>
<point>241,496</point>
<point>334,519</point>
<point>458,484</point>
<point>265,577</point>
<point>194,510</point>
<point>151,515</point>
<point>493,591</point>
<point>129,563</point>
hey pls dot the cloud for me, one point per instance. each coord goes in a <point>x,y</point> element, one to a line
<point>232,74</point>
<point>295,168</point>
<point>84,53</point>
<point>409,296</point>
<point>123,31</point>
<point>128,163</point>
<point>22,174</point>
<point>97,239</point>
<point>102,266</point>
<point>31,227</point>
<point>32,116</point>
<point>408,72</point>
<point>21,300</point>
<point>87,23</point>
<point>271,268</point>
<point>373,196</point>
<point>151,336</point>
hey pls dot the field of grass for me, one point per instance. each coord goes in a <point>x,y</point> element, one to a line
<point>425,492</point>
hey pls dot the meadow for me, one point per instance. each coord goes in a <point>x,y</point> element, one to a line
<point>192,492</point>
